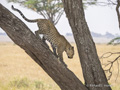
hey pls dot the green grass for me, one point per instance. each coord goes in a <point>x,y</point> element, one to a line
<point>20,83</point>
<point>25,84</point>
<point>116,87</point>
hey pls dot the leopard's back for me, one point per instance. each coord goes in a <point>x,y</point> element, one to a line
<point>50,33</point>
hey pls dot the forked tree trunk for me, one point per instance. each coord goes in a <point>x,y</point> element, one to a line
<point>22,36</point>
<point>93,73</point>
<point>92,70</point>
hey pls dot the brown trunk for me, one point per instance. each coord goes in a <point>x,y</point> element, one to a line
<point>118,13</point>
<point>93,73</point>
<point>22,36</point>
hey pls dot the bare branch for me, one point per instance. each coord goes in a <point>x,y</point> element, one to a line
<point>118,71</point>
<point>43,14</point>
<point>114,3</point>
<point>58,17</point>
<point>111,63</point>
<point>100,3</point>
<point>109,54</point>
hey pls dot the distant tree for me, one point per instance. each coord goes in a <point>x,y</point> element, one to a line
<point>49,9</point>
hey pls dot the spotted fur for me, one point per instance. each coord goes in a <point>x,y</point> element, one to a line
<point>50,33</point>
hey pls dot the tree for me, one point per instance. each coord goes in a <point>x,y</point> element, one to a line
<point>94,75</point>
<point>92,70</point>
<point>35,48</point>
<point>49,9</point>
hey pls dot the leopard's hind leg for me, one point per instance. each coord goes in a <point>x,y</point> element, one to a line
<point>54,50</point>
<point>43,39</point>
<point>37,34</point>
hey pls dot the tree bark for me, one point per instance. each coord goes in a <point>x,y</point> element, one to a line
<point>93,73</point>
<point>118,13</point>
<point>35,48</point>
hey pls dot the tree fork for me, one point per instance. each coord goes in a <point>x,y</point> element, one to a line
<point>23,37</point>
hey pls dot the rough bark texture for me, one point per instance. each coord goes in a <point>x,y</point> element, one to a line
<point>93,73</point>
<point>22,36</point>
<point>118,13</point>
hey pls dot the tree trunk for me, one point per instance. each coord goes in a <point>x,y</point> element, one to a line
<point>93,73</point>
<point>118,13</point>
<point>34,47</point>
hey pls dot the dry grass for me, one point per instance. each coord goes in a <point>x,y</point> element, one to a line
<point>14,62</point>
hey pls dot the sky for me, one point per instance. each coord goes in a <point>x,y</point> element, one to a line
<point>100,19</point>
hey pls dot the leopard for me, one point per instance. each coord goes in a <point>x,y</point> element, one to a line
<point>58,42</point>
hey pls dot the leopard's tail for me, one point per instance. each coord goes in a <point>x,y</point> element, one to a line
<point>15,9</point>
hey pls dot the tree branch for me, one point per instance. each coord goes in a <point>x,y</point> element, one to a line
<point>58,17</point>
<point>111,63</point>
<point>43,14</point>
<point>108,54</point>
<point>22,36</point>
<point>118,70</point>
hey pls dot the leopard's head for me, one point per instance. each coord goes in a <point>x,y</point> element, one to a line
<point>70,51</point>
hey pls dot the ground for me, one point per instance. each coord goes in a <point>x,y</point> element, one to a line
<point>17,67</point>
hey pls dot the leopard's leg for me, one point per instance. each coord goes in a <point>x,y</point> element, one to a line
<point>43,39</point>
<point>37,34</point>
<point>60,55</point>
<point>54,50</point>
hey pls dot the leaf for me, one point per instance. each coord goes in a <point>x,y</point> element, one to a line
<point>113,41</point>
